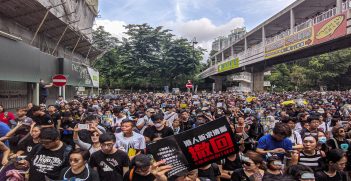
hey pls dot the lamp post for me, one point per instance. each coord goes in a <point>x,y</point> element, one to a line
<point>194,42</point>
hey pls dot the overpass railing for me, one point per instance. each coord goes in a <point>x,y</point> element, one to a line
<point>256,49</point>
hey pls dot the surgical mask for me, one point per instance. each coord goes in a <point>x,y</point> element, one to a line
<point>200,121</point>
<point>322,140</point>
<point>95,106</point>
<point>126,110</point>
<point>344,146</point>
<point>158,125</point>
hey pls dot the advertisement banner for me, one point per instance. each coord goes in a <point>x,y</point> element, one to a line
<point>230,65</point>
<point>324,31</point>
<point>330,29</point>
<point>196,147</point>
<point>94,75</point>
<point>298,40</point>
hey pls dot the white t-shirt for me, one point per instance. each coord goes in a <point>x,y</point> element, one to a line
<point>170,117</point>
<point>117,121</point>
<point>136,141</point>
<point>295,138</point>
<point>145,120</point>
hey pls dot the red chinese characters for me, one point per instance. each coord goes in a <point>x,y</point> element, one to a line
<point>211,149</point>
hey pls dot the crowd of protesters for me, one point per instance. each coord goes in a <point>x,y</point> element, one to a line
<point>281,136</point>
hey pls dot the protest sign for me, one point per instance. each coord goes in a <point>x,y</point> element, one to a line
<point>196,147</point>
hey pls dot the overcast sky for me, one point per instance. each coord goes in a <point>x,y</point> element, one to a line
<point>203,19</point>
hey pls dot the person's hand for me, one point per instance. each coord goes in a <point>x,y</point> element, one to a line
<point>76,129</point>
<point>160,171</point>
<point>24,163</point>
<point>4,161</point>
<point>13,156</point>
<point>278,150</point>
<point>294,157</point>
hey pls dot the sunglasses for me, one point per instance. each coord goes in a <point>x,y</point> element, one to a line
<point>248,164</point>
<point>74,160</point>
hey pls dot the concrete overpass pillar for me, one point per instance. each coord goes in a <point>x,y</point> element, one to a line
<point>292,20</point>
<point>218,83</point>
<point>222,56</point>
<point>338,6</point>
<point>35,93</point>
<point>215,59</point>
<point>257,74</point>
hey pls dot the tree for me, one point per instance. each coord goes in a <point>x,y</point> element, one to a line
<point>150,57</point>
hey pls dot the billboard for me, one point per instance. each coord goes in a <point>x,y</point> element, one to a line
<point>324,31</point>
<point>330,29</point>
<point>296,41</point>
<point>230,65</point>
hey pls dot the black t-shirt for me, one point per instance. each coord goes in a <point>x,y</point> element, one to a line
<point>88,174</point>
<point>232,165</point>
<point>43,91</point>
<point>27,145</point>
<point>43,120</point>
<point>137,177</point>
<point>322,176</point>
<point>152,132</point>
<point>110,166</point>
<point>55,117</point>
<point>211,173</point>
<point>44,162</point>
<point>239,175</point>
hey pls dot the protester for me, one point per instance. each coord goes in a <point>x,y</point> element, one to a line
<point>79,168</point>
<point>110,162</point>
<point>158,130</point>
<point>293,136</point>
<point>48,158</point>
<point>131,142</point>
<point>6,116</point>
<point>335,163</point>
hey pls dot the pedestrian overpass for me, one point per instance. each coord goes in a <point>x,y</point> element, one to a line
<point>303,29</point>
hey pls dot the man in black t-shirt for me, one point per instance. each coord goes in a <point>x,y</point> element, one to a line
<point>48,158</point>
<point>110,162</point>
<point>55,116</point>
<point>43,91</point>
<point>158,130</point>
<point>42,118</point>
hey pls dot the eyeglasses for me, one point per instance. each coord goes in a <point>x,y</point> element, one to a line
<point>107,145</point>
<point>74,160</point>
<point>46,142</point>
<point>95,135</point>
<point>311,134</point>
<point>248,164</point>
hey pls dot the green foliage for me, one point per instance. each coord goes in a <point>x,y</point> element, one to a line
<point>331,70</point>
<point>149,58</point>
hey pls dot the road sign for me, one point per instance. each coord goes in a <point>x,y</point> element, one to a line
<point>189,85</point>
<point>59,80</point>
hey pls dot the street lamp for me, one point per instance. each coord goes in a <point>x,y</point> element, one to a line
<point>194,42</point>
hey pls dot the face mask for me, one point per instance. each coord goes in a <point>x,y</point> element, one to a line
<point>201,121</point>
<point>158,125</point>
<point>322,140</point>
<point>95,106</point>
<point>125,110</point>
<point>344,146</point>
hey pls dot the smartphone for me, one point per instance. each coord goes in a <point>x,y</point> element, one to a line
<point>83,126</point>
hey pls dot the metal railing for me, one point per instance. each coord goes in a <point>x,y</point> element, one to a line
<point>310,22</point>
